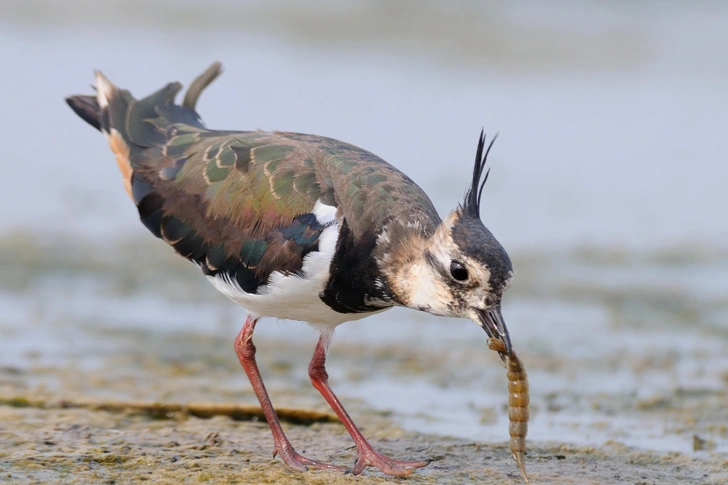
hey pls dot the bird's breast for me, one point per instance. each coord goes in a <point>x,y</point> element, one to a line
<point>300,296</point>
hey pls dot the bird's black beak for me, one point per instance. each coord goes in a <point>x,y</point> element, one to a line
<point>492,322</point>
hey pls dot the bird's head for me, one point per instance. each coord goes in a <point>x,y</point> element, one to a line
<point>458,270</point>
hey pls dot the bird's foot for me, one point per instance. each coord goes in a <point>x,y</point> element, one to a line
<point>368,456</point>
<point>300,463</point>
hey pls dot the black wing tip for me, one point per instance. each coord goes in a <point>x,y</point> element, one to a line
<point>474,194</point>
<point>87,107</point>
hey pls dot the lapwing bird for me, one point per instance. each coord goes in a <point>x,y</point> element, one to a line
<point>300,227</point>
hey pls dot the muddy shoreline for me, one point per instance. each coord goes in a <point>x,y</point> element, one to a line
<point>125,373</point>
<point>92,445</point>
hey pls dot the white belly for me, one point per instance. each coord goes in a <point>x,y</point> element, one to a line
<point>295,297</point>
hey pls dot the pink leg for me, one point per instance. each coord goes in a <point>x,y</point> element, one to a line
<point>366,454</point>
<point>246,354</point>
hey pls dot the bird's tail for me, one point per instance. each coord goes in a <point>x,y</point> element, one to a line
<point>132,126</point>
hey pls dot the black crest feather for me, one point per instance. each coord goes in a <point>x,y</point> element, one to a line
<point>471,203</point>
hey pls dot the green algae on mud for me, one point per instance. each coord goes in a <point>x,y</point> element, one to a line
<point>157,410</point>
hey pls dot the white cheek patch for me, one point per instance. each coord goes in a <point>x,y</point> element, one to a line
<point>474,296</point>
<point>426,290</point>
<point>423,284</point>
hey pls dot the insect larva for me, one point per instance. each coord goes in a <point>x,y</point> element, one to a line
<point>517,403</point>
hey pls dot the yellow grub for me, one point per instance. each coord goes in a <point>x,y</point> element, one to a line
<point>518,401</point>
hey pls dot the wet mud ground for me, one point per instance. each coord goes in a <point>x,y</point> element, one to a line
<point>64,424</point>
<point>43,440</point>
<point>81,446</point>
<point>117,372</point>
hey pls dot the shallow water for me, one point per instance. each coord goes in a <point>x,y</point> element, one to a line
<point>607,188</point>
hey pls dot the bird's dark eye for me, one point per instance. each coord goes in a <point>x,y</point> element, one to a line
<point>458,271</point>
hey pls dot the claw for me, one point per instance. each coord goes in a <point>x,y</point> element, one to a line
<point>368,456</point>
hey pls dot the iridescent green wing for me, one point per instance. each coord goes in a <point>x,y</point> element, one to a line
<point>233,202</point>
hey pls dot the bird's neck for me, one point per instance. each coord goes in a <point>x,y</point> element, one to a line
<point>366,267</point>
<point>401,256</point>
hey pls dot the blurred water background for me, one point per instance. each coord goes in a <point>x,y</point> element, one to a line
<point>608,188</point>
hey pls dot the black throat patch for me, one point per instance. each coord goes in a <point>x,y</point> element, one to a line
<point>354,275</point>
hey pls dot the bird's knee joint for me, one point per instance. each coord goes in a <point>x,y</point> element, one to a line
<point>318,373</point>
<point>245,348</point>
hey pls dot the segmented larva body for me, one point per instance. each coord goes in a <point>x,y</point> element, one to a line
<point>517,404</point>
